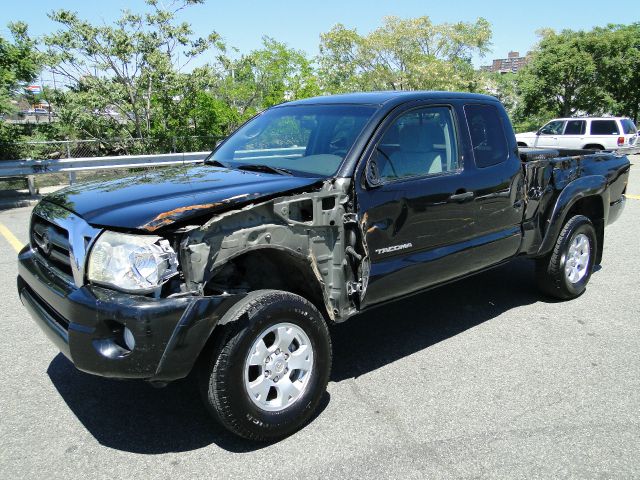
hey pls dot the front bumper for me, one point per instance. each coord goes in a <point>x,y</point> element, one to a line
<point>87,324</point>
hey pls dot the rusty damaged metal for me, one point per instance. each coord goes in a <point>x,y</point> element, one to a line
<point>167,218</point>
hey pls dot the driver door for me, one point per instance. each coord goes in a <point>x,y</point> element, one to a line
<point>418,217</point>
<point>548,136</point>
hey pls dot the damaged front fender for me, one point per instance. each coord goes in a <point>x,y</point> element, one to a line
<point>297,243</point>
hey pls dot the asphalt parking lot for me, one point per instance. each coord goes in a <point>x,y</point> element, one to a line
<point>483,378</point>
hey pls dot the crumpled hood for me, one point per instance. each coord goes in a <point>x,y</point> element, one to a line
<point>154,199</point>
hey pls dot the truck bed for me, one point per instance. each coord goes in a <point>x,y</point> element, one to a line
<point>556,176</point>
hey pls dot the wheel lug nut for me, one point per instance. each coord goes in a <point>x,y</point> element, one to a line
<point>286,356</point>
<point>275,379</point>
<point>267,373</point>
<point>278,351</point>
<point>286,370</point>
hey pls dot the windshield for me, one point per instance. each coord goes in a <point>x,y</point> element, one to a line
<point>307,139</point>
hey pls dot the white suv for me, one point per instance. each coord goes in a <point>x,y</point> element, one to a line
<point>591,133</point>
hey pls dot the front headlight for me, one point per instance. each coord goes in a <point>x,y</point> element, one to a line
<point>132,263</point>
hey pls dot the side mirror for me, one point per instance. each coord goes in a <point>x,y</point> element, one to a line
<point>538,132</point>
<point>372,172</point>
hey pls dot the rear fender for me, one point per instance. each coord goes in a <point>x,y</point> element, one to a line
<point>591,185</point>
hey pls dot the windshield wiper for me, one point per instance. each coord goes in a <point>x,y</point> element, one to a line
<point>265,168</point>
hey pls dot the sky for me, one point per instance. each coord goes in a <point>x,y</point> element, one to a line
<point>242,23</point>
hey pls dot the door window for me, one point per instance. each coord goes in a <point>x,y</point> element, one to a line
<point>487,135</point>
<point>628,127</point>
<point>604,127</point>
<point>552,128</point>
<point>575,127</point>
<point>419,142</point>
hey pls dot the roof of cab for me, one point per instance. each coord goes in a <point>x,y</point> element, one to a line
<point>391,96</point>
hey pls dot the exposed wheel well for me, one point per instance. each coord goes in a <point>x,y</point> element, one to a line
<point>262,269</point>
<point>269,268</point>
<point>593,208</point>
<point>593,146</point>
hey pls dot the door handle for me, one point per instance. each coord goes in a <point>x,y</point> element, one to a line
<point>461,196</point>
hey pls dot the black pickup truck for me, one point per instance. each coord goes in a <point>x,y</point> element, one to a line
<point>309,213</point>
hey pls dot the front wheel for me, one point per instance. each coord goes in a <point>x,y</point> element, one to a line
<point>565,272</point>
<point>267,375</point>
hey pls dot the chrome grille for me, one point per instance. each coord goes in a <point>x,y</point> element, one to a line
<point>52,243</point>
<point>62,240</point>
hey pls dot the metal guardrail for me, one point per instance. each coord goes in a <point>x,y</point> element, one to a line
<point>29,168</point>
<point>19,168</point>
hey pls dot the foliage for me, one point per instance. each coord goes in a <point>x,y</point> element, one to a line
<point>129,79</point>
<point>561,77</point>
<point>129,74</point>
<point>403,54</point>
<point>505,87</point>
<point>616,52</point>
<point>577,72</point>
<point>147,75</point>
<point>265,77</point>
<point>20,63</point>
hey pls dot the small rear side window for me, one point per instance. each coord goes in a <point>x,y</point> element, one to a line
<point>488,139</point>
<point>604,127</point>
<point>628,127</point>
<point>575,127</point>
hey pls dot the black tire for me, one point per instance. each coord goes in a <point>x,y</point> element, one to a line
<point>222,374</point>
<point>550,270</point>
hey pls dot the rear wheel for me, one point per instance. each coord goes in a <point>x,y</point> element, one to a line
<point>565,272</point>
<point>269,371</point>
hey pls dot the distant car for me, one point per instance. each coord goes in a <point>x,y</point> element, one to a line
<point>40,111</point>
<point>590,133</point>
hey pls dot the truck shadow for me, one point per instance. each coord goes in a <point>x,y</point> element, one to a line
<point>132,416</point>
<point>387,333</point>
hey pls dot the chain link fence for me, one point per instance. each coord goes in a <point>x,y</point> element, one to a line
<point>43,150</point>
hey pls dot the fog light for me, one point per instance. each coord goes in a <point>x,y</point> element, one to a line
<point>129,341</point>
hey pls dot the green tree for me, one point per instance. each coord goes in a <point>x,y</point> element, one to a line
<point>213,116</point>
<point>403,54</point>
<point>616,53</point>
<point>505,87</point>
<point>134,67</point>
<point>562,78</point>
<point>20,63</point>
<point>265,77</point>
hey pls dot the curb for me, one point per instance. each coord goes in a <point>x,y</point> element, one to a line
<point>8,204</point>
